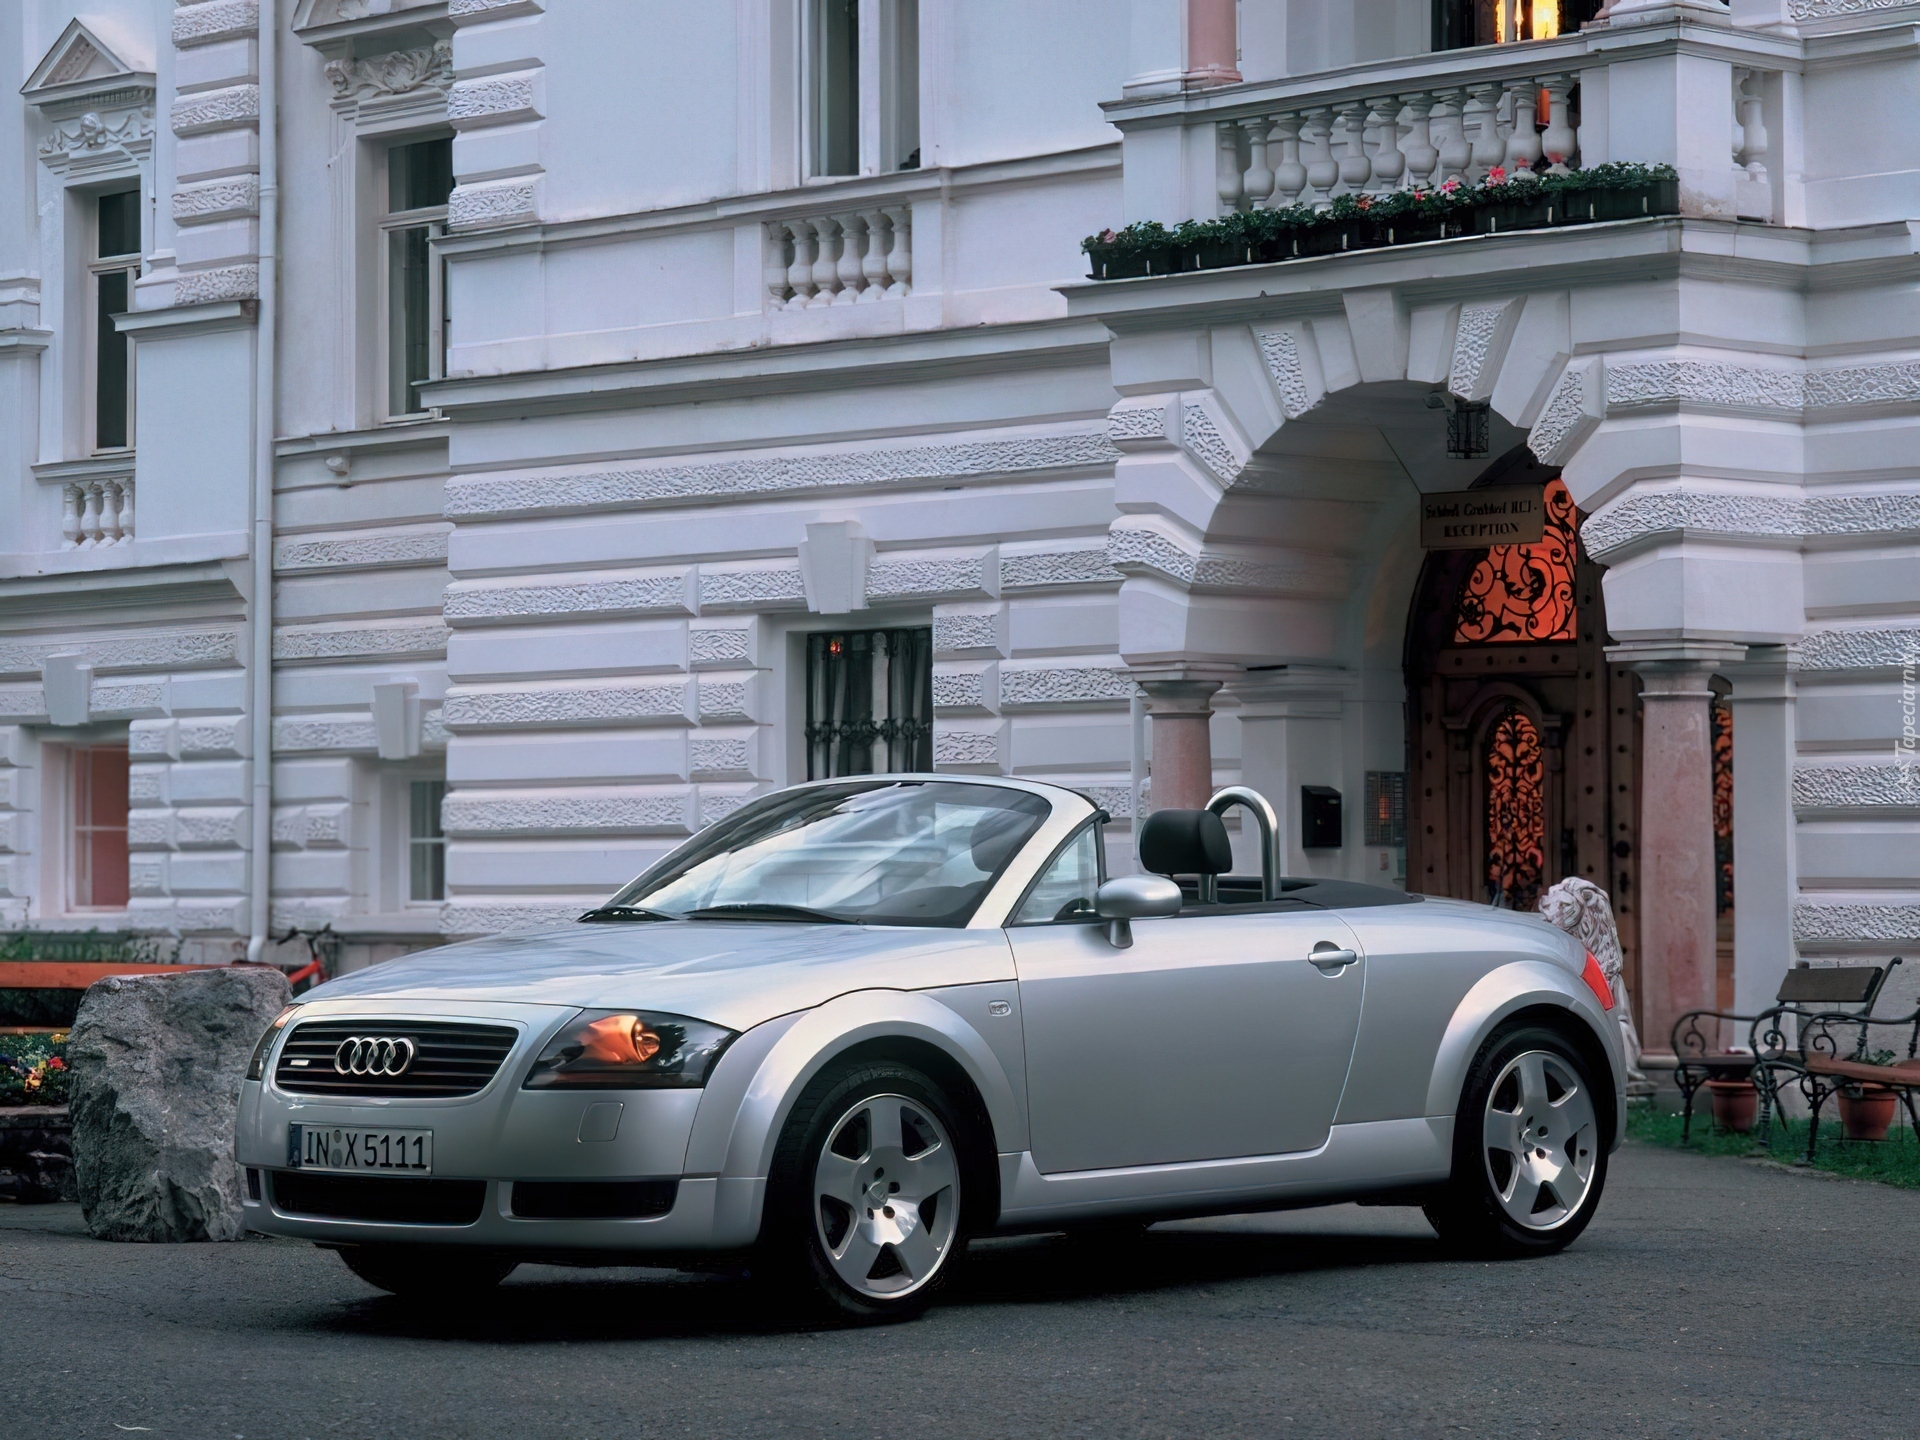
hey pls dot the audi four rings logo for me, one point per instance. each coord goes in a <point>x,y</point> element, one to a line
<point>373,1055</point>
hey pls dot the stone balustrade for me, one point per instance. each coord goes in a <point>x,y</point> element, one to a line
<point>854,257</point>
<point>94,513</point>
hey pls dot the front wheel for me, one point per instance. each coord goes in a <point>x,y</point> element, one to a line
<point>423,1272</point>
<point>864,1209</point>
<point>1529,1161</point>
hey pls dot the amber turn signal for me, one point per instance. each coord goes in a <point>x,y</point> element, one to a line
<point>1596,979</point>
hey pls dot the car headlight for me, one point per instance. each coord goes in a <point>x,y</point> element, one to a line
<point>257,1066</point>
<point>629,1050</point>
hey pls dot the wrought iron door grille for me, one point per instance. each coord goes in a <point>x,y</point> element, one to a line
<point>869,702</point>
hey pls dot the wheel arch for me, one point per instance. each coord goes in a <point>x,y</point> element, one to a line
<point>1531,992</point>
<point>904,1026</point>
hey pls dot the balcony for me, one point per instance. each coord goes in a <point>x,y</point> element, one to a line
<point>1696,93</point>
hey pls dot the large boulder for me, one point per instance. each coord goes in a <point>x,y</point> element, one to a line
<point>157,1064</point>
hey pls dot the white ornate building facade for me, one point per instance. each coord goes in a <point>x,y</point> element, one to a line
<point>462,447</point>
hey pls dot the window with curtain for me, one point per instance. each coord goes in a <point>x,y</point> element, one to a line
<point>869,702</point>
<point>419,180</point>
<point>862,119</point>
<point>1461,23</point>
<point>111,272</point>
<point>97,855</point>
<point>426,842</point>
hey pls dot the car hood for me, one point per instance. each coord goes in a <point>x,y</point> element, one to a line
<point>735,974</point>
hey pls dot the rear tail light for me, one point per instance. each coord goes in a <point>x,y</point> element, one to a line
<point>1596,979</point>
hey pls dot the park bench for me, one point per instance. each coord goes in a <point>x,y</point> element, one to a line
<point>1826,1052</point>
<point>1805,991</point>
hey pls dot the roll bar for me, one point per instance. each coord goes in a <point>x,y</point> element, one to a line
<point>1269,824</point>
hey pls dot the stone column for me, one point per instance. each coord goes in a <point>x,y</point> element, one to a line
<point>1213,43</point>
<point>1181,711</point>
<point>1180,45</point>
<point>1765,872</point>
<point>1676,828</point>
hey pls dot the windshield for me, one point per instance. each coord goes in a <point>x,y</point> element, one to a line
<point>915,853</point>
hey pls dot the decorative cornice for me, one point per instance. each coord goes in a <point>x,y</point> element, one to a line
<point>1831,9</point>
<point>471,12</point>
<point>360,642</point>
<point>572,813</point>
<point>494,100</point>
<point>162,650</point>
<point>216,20</point>
<point>777,588</point>
<point>362,552</point>
<point>668,702</point>
<point>1702,382</point>
<point>1856,787</point>
<point>1134,551</point>
<point>91,134</point>
<point>481,917</point>
<point>217,200</point>
<point>473,497</point>
<point>972,576</point>
<point>496,202</point>
<point>1813,924</point>
<point>1472,341</point>
<point>1054,568</point>
<point>1640,516</point>
<point>1282,353</point>
<point>1863,385</point>
<point>1560,417</point>
<point>966,747</point>
<point>229,282</point>
<point>1075,685</point>
<point>1202,440</point>
<point>671,593</point>
<point>397,72</point>
<point>1888,649</point>
<point>336,734</point>
<point>1141,551</point>
<point>205,110</point>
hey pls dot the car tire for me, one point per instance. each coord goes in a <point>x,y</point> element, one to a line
<point>420,1272</point>
<point>1529,1151</point>
<point>837,1239</point>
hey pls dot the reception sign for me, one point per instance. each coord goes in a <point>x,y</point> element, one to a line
<point>1474,519</point>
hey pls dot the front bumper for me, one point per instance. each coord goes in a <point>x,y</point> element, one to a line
<point>498,1136</point>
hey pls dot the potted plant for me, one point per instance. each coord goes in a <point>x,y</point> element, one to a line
<point>1513,202</point>
<point>35,1146</point>
<point>1735,1103</point>
<point>1617,191</point>
<point>1866,1109</point>
<point>1143,248</point>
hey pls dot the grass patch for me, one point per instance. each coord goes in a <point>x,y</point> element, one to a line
<point>1893,1161</point>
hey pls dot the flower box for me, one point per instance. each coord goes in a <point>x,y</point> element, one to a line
<point>1525,209</point>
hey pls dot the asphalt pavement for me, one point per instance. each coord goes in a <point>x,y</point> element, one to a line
<point>1709,1298</point>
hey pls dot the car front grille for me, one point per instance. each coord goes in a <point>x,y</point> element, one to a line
<point>449,1058</point>
<point>352,1197</point>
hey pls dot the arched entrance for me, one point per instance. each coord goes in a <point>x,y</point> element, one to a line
<point>1524,742</point>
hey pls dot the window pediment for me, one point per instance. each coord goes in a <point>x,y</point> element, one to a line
<point>339,27</point>
<point>97,97</point>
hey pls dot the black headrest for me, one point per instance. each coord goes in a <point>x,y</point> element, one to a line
<point>1185,842</point>
<point>996,835</point>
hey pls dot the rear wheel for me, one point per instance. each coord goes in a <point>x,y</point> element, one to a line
<point>421,1272</point>
<point>1529,1161</point>
<point>864,1205</point>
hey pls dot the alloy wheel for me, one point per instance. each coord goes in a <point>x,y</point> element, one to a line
<point>887,1196</point>
<point>1541,1140</point>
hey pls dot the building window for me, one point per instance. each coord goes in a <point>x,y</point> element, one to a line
<point>426,842</point>
<point>110,274</point>
<point>1461,23</point>
<point>863,86</point>
<point>419,180</point>
<point>869,702</point>
<point>97,862</point>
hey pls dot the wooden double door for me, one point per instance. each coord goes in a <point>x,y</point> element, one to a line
<point>1524,742</point>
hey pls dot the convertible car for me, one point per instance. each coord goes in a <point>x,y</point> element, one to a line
<point>858,1022</point>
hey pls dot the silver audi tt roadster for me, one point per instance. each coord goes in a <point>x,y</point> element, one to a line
<point>836,1035</point>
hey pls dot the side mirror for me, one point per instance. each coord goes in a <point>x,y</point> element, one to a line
<point>1135,897</point>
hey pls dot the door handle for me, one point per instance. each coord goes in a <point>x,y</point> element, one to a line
<point>1331,959</point>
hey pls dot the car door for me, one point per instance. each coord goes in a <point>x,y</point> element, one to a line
<point>1213,1035</point>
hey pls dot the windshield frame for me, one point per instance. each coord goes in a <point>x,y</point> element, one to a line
<point>1069,810</point>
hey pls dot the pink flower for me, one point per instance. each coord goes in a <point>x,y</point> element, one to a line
<point>1447,187</point>
<point>1497,175</point>
<point>1365,202</point>
<point>1106,237</point>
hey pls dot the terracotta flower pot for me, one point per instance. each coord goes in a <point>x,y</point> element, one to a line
<point>1868,1114</point>
<point>1735,1103</point>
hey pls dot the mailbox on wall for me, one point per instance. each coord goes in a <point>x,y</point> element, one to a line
<point>1320,827</point>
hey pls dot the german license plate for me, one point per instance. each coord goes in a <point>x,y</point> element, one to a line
<point>359,1151</point>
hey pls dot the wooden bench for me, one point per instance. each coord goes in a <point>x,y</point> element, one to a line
<point>1804,990</point>
<point>1831,1051</point>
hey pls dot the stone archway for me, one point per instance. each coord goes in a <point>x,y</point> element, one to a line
<point>1504,652</point>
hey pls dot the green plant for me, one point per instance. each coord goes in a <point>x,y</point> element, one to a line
<point>33,1070</point>
<point>89,947</point>
<point>1893,1161</point>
